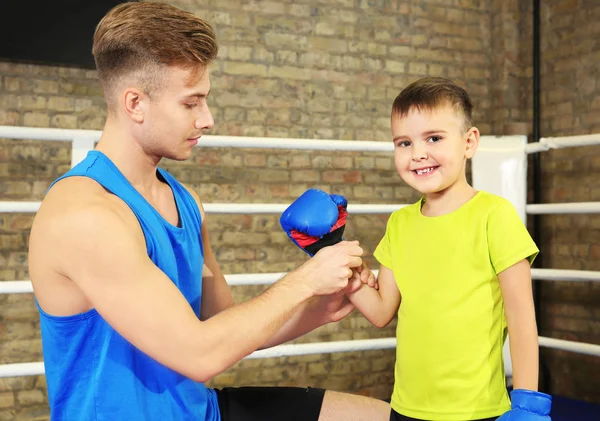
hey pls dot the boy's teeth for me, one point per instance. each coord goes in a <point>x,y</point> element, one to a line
<point>426,170</point>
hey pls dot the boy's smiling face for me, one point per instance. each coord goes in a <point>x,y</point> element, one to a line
<point>431,148</point>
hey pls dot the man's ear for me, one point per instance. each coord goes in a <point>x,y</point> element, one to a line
<point>471,142</point>
<point>133,103</point>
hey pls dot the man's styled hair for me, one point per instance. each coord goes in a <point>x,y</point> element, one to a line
<point>141,39</point>
<point>431,92</point>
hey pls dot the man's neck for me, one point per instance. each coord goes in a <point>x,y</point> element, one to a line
<point>126,152</point>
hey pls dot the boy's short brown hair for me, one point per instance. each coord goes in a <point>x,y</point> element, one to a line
<point>431,92</point>
<point>139,38</point>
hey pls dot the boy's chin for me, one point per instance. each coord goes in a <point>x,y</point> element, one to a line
<point>422,188</point>
<point>429,191</point>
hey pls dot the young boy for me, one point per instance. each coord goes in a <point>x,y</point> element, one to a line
<point>455,268</point>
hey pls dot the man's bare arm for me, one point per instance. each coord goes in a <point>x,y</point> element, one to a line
<point>216,293</point>
<point>216,296</point>
<point>110,265</point>
<point>312,314</point>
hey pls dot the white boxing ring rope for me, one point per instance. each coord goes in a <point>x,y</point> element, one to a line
<point>244,279</point>
<point>37,368</point>
<point>270,208</point>
<point>222,208</point>
<point>83,141</point>
<point>69,135</point>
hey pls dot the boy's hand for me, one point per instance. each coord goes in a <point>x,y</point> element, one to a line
<point>365,275</point>
<point>354,283</point>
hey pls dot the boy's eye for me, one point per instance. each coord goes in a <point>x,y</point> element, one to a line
<point>403,143</point>
<point>190,105</point>
<point>435,138</point>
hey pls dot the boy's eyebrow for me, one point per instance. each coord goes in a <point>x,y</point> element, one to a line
<point>427,133</point>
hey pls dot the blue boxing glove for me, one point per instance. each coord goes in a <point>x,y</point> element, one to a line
<point>528,405</point>
<point>315,220</point>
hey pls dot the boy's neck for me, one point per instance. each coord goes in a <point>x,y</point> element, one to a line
<point>447,201</point>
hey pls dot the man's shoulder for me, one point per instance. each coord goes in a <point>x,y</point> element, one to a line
<point>74,184</point>
<point>75,201</point>
<point>75,191</point>
<point>77,215</point>
<point>196,198</point>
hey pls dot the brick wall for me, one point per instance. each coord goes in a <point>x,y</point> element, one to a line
<point>508,72</point>
<point>570,105</point>
<point>312,69</point>
<point>304,69</point>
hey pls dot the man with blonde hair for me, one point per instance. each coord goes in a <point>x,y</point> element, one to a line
<point>135,313</point>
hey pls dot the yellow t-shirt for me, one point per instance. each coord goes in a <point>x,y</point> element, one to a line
<point>451,325</point>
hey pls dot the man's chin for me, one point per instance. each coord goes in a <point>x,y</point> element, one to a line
<point>179,155</point>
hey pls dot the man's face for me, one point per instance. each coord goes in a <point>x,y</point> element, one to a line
<point>176,116</point>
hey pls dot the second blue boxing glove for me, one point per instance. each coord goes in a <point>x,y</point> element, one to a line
<point>528,405</point>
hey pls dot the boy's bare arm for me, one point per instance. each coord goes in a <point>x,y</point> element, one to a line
<point>515,283</point>
<point>379,306</point>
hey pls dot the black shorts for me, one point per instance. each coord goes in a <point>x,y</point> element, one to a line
<point>270,403</point>
<point>394,416</point>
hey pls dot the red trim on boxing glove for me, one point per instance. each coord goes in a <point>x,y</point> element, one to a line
<point>341,218</point>
<point>304,240</point>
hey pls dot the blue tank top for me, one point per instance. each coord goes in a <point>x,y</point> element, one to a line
<point>92,372</point>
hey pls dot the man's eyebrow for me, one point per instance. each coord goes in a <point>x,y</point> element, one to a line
<point>198,94</point>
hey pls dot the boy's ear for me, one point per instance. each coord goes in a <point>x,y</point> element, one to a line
<point>471,142</point>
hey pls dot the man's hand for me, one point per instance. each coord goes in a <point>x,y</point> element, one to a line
<point>332,308</point>
<point>317,312</point>
<point>330,270</point>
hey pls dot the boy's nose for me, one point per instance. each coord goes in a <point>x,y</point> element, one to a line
<point>418,154</point>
